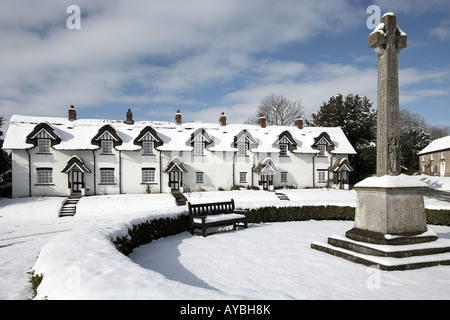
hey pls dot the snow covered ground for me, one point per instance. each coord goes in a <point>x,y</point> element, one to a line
<point>265,261</point>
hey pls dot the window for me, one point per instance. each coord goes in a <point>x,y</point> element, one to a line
<point>322,149</point>
<point>44,145</point>
<point>432,156</point>
<point>107,147</point>
<point>442,155</point>
<point>199,147</point>
<point>107,175</point>
<point>44,175</point>
<point>147,147</point>
<point>283,176</point>
<point>283,149</point>
<point>242,177</point>
<point>322,176</point>
<point>423,158</point>
<point>242,148</point>
<point>199,177</point>
<point>148,175</point>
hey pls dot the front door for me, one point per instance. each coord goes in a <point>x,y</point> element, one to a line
<point>442,168</point>
<point>174,179</point>
<point>77,181</point>
<point>266,181</point>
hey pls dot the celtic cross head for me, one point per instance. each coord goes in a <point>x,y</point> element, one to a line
<point>387,33</point>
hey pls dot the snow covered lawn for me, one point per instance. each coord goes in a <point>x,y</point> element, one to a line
<point>265,261</point>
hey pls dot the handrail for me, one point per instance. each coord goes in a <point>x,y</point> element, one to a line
<point>188,190</point>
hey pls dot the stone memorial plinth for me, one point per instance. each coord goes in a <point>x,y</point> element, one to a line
<point>389,205</point>
<point>390,229</point>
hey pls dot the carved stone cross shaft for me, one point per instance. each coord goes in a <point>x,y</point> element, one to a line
<point>387,40</point>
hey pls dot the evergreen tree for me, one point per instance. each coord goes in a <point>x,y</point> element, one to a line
<point>354,114</point>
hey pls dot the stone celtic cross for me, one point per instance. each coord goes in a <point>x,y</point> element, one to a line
<point>387,40</point>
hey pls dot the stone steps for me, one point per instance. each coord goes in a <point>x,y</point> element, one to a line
<point>179,198</point>
<point>69,207</point>
<point>282,196</point>
<point>388,257</point>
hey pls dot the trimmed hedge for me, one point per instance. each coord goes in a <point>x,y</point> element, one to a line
<point>283,214</point>
<point>159,228</point>
<point>150,230</point>
<point>439,217</point>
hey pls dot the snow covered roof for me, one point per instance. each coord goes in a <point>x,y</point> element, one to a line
<point>437,145</point>
<point>79,135</point>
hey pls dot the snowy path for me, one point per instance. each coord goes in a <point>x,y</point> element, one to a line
<point>19,247</point>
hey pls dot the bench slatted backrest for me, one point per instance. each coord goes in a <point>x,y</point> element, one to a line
<point>211,208</point>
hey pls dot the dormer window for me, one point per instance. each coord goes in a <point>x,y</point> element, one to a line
<point>43,137</point>
<point>199,148</point>
<point>107,146</point>
<point>199,140</point>
<point>286,143</point>
<point>107,139</point>
<point>149,140</point>
<point>283,149</point>
<point>147,147</point>
<point>323,144</point>
<point>244,142</point>
<point>243,146</point>
<point>44,145</point>
<point>322,149</point>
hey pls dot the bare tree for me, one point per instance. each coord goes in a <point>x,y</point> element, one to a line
<point>278,110</point>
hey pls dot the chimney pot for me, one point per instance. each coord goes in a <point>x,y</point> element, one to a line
<point>129,117</point>
<point>299,122</point>
<point>72,113</point>
<point>178,117</point>
<point>262,121</point>
<point>223,119</point>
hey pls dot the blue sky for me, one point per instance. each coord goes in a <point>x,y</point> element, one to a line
<point>210,56</point>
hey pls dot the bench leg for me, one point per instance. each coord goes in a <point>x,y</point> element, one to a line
<point>234,226</point>
<point>204,230</point>
<point>245,223</point>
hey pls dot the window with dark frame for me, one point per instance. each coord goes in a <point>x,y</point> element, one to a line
<point>107,176</point>
<point>44,175</point>
<point>242,177</point>
<point>148,175</point>
<point>199,177</point>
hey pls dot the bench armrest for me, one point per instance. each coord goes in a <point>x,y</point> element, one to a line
<point>198,216</point>
<point>241,211</point>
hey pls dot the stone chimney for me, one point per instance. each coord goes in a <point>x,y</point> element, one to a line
<point>299,122</point>
<point>223,119</point>
<point>129,117</point>
<point>178,117</point>
<point>72,113</point>
<point>262,121</point>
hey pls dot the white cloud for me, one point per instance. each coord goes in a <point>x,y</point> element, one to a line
<point>441,32</point>
<point>163,52</point>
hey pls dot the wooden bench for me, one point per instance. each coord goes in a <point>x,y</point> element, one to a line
<point>205,215</point>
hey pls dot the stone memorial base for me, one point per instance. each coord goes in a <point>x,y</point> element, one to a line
<point>390,229</point>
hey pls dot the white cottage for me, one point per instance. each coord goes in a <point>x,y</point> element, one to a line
<point>71,156</point>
